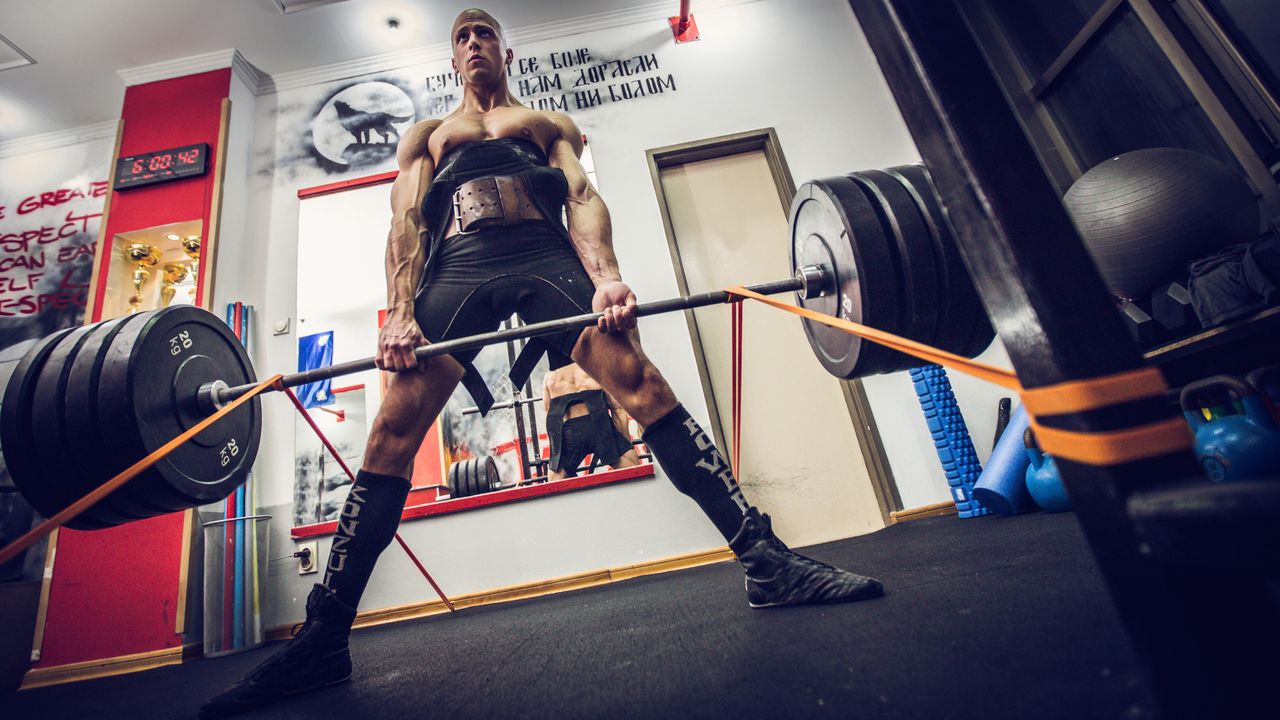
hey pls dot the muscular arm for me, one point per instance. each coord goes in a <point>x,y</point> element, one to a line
<point>589,225</point>
<point>404,256</point>
<point>591,232</point>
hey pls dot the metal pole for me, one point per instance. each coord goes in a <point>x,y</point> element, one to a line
<point>521,437</point>
<point>809,281</point>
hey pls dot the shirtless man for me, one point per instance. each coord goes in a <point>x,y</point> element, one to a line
<point>457,265</point>
<point>583,419</point>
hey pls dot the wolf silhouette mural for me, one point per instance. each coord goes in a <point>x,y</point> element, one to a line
<point>364,124</point>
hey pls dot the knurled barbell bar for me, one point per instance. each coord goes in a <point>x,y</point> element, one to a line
<point>109,393</point>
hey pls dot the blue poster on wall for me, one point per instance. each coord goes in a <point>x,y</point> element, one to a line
<point>315,351</point>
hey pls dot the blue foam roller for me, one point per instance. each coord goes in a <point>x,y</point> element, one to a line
<point>1002,486</point>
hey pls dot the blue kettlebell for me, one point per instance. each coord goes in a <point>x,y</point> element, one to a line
<point>1237,446</point>
<point>1043,481</point>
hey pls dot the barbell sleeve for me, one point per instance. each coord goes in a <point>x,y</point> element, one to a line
<point>810,282</point>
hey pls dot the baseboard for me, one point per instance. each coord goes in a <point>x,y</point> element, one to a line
<point>369,618</point>
<point>924,511</point>
<point>89,669</point>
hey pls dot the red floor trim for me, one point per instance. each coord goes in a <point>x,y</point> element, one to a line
<point>445,507</point>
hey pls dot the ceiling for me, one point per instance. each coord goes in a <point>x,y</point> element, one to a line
<point>79,45</point>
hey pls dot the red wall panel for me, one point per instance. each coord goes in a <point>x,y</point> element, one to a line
<point>160,115</point>
<point>115,592</point>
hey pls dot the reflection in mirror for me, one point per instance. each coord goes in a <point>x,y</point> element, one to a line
<point>319,481</point>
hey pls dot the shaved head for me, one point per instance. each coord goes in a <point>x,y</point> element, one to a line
<point>478,14</point>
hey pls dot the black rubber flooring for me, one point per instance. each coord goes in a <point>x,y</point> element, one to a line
<point>984,618</point>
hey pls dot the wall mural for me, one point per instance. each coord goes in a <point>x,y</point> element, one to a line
<point>359,125</point>
<point>50,212</point>
<point>352,127</point>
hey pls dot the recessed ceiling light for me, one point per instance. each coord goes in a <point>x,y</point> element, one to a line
<point>12,56</point>
<point>172,236</point>
<point>393,23</point>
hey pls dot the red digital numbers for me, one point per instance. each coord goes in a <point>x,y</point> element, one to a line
<point>160,162</point>
<point>161,166</point>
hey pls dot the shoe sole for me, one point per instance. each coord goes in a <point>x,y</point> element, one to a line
<point>220,713</point>
<point>314,688</point>
<point>851,598</point>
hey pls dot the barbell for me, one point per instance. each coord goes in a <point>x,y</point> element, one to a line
<point>83,404</point>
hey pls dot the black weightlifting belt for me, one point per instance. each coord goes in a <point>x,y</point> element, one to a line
<point>491,201</point>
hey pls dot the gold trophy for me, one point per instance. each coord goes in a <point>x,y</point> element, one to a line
<point>174,273</point>
<point>143,256</point>
<point>191,246</point>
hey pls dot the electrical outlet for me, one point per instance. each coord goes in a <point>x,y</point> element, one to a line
<point>308,555</point>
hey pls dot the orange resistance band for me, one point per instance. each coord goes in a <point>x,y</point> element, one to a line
<point>1091,448</point>
<point>71,511</point>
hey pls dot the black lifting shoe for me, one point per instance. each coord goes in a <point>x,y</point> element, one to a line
<point>317,656</point>
<point>777,576</point>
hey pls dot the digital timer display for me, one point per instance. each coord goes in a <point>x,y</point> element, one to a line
<point>161,165</point>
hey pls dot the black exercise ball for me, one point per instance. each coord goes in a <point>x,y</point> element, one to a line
<point>1145,214</point>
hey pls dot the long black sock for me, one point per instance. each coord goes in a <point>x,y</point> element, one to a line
<point>697,468</point>
<point>366,525</point>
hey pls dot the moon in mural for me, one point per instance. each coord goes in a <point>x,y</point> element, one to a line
<point>362,123</point>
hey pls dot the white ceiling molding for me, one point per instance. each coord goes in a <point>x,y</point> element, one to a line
<point>61,138</point>
<point>181,67</point>
<point>293,6</point>
<point>257,81</point>
<point>649,12</point>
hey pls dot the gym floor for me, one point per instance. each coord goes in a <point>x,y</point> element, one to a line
<point>984,618</point>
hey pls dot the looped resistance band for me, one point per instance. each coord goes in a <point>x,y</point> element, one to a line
<point>1109,447</point>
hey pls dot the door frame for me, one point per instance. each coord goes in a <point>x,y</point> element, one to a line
<point>855,396</point>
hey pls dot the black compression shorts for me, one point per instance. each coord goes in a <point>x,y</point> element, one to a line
<point>578,439</point>
<point>479,279</point>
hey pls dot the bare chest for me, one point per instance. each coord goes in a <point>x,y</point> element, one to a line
<point>497,123</point>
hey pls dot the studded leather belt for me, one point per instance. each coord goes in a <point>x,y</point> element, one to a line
<point>488,201</point>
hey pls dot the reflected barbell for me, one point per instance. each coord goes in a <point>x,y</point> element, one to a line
<point>83,404</point>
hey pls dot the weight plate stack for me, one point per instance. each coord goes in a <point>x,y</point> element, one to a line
<point>9,359</point>
<point>17,434</point>
<point>55,449</point>
<point>488,475</point>
<point>468,476</point>
<point>915,259</point>
<point>453,480</point>
<point>83,426</point>
<point>964,328</point>
<point>150,377</point>
<point>833,223</point>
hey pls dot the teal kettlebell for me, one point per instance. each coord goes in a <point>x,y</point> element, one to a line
<point>1043,481</point>
<point>1238,446</point>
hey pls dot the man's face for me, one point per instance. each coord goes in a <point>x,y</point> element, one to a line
<point>479,52</point>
